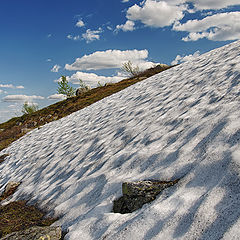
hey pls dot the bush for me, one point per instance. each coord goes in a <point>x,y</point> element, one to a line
<point>29,109</point>
<point>129,69</point>
<point>65,89</point>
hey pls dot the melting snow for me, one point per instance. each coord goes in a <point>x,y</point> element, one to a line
<point>182,123</point>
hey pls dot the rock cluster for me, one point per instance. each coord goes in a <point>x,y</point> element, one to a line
<point>136,194</point>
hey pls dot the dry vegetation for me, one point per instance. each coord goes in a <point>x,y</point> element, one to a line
<point>17,216</point>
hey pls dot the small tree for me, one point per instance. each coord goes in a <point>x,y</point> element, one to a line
<point>64,88</point>
<point>29,109</point>
<point>128,68</point>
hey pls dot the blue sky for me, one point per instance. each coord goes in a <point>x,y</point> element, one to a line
<point>41,40</point>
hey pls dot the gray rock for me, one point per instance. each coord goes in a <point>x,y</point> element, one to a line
<point>136,194</point>
<point>36,233</point>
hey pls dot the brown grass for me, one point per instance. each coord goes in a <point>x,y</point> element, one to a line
<point>17,216</point>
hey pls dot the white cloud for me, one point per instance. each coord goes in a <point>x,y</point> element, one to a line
<point>91,35</point>
<point>80,23</point>
<point>180,59</point>
<point>21,98</point>
<point>124,1</point>
<point>49,60</point>
<point>213,4</point>
<point>55,68</point>
<point>20,87</point>
<point>1,91</point>
<point>57,97</point>
<point>218,27</point>
<point>10,86</point>
<point>156,13</point>
<point>75,38</point>
<point>6,86</point>
<point>108,59</point>
<point>92,79</point>
<point>128,26</point>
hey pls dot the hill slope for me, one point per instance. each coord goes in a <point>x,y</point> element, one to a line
<point>182,123</point>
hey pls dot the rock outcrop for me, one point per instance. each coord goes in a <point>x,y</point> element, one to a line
<point>136,194</point>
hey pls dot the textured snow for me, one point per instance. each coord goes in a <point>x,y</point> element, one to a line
<point>182,123</point>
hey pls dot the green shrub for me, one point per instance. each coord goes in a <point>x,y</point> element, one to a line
<point>65,89</point>
<point>29,108</point>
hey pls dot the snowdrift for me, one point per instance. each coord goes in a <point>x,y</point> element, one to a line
<point>182,123</point>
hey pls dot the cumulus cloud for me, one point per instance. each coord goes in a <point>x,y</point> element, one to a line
<point>55,68</point>
<point>213,4</point>
<point>108,59</point>
<point>57,97</point>
<point>218,27</point>
<point>181,59</point>
<point>21,98</point>
<point>124,1</point>
<point>91,35</point>
<point>161,13</point>
<point>92,79</point>
<point>128,26</point>
<point>80,23</point>
<point>157,13</point>
<point>1,91</point>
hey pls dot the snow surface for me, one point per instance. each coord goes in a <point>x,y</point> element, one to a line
<point>182,123</point>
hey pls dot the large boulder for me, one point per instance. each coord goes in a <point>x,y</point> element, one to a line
<point>136,194</point>
<point>36,233</point>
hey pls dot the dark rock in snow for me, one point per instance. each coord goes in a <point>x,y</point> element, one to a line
<point>2,157</point>
<point>136,194</point>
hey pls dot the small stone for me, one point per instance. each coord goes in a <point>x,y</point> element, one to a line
<point>11,185</point>
<point>2,157</point>
<point>9,189</point>
<point>142,78</point>
<point>25,130</point>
